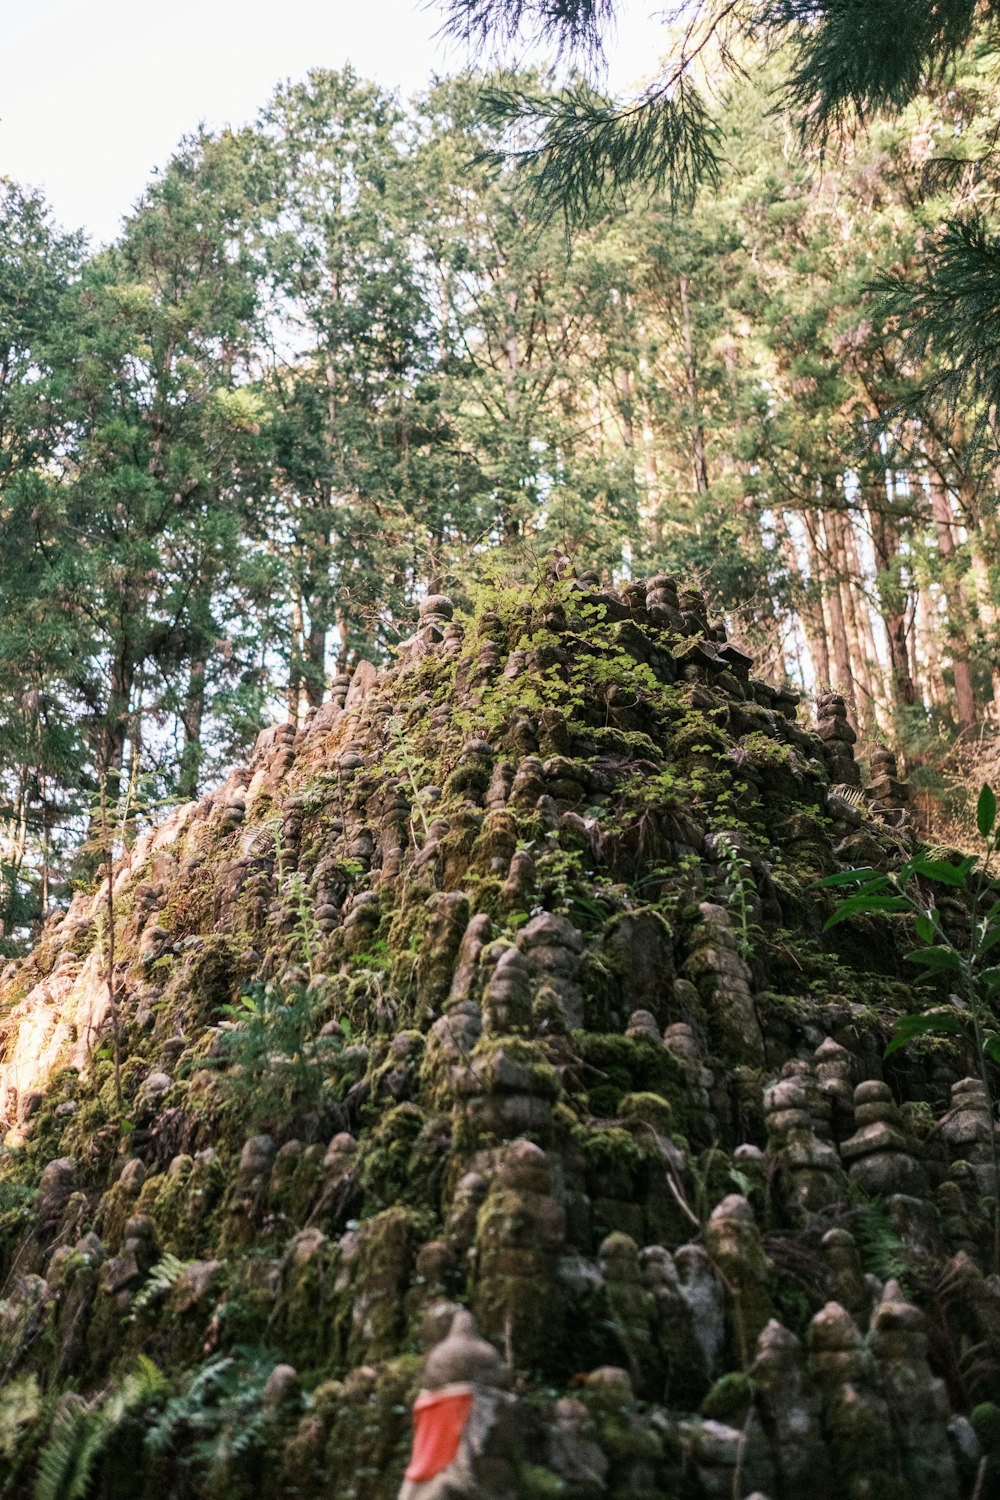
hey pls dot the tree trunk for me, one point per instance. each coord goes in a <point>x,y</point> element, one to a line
<point>813,614</point>
<point>965,696</point>
<point>294,690</point>
<point>935,691</point>
<point>315,655</point>
<point>860,635</point>
<point>893,596</point>
<point>192,715</point>
<point>845,677</point>
<point>699,462</point>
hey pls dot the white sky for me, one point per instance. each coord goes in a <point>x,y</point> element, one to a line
<point>96,93</point>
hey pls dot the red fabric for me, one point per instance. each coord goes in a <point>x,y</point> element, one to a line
<point>439,1419</point>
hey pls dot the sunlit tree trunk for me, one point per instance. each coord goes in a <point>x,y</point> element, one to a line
<point>892,592</point>
<point>941,511</point>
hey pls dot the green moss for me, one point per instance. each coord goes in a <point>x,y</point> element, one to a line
<point>985,1419</point>
<point>730,1399</point>
<point>612,1066</point>
<point>612,1157</point>
<point>397,1162</point>
<point>650,1109</point>
<point>536,1483</point>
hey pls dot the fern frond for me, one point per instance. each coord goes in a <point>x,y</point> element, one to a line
<point>162,1277</point>
<point>57,1462</point>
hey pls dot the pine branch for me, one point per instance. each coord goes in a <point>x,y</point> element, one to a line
<point>573,27</point>
<point>951,315</point>
<point>854,58</point>
<point>585,151</point>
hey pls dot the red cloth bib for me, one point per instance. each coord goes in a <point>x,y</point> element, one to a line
<point>439,1419</point>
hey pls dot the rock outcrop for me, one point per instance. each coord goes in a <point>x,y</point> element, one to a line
<point>500,990</point>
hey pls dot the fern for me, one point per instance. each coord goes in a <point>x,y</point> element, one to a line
<point>163,1276</point>
<point>57,1464</point>
<point>80,1433</point>
<point>218,1416</point>
<point>881,1249</point>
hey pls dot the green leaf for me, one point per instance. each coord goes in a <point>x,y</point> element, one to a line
<point>865,875</point>
<point>986,811</point>
<point>937,957</point>
<point>911,1027</point>
<point>991,1046</point>
<point>990,981</point>
<point>926,930</point>
<point>989,939</point>
<point>863,902</point>
<point>941,871</point>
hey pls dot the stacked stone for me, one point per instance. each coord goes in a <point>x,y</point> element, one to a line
<point>505,1088</point>
<point>890,795</point>
<point>489,1443</point>
<point>234,810</point>
<point>966,1129</point>
<point>694,612</point>
<point>633,1313</point>
<point>681,1039</point>
<point>330,887</point>
<point>732,1239</point>
<point>724,984</point>
<point>856,1419</point>
<point>507,1001</point>
<point>791,1409</point>
<point>434,617</point>
<point>493,1054</point>
<point>724,1460</point>
<point>797,1114</point>
<point>553,948</point>
<point>573,1455</point>
<point>786,703</point>
<point>684,1377</point>
<point>247,1192</point>
<point>662,604</point>
<point>393,836</point>
<point>632,1438</point>
<point>838,739</point>
<point>879,1156</point>
<point>362,921</point>
<point>846,1277</point>
<point>272,762</point>
<point>835,1074</point>
<point>737,663</point>
<point>703,1292</point>
<point>520,1235</point>
<point>919,1401</point>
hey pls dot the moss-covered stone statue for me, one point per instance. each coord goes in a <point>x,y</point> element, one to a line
<point>499,990</point>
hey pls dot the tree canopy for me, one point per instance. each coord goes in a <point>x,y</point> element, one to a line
<point>334,361</point>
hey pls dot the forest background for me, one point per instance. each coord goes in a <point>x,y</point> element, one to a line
<point>335,361</point>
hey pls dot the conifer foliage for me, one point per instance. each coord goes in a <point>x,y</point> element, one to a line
<point>334,362</point>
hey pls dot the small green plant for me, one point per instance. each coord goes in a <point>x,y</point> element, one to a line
<point>293,890</point>
<point>163,1276</point>
<point>742,890</point>
<point>82,1432</point>
<point>271,1045</point>
<point>878,1240</point>
<point>409,764</point>
<point>218,1416</point>
<point>967,967</point>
